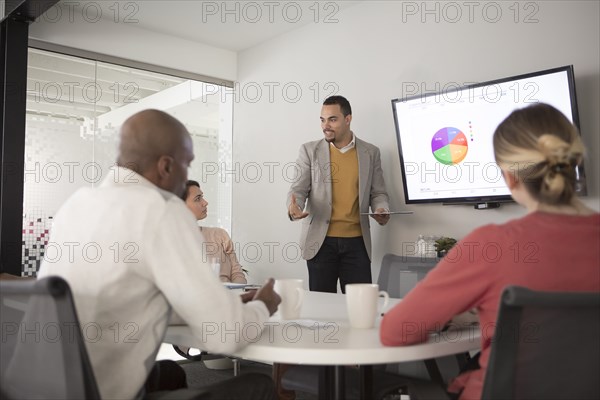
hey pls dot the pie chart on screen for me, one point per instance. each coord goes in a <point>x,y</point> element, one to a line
<point>449,146</point>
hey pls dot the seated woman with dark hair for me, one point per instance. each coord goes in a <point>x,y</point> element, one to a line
<point>552,248</point>
<point>217,243</point>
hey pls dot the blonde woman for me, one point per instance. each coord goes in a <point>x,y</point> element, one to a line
<point>552,248</point>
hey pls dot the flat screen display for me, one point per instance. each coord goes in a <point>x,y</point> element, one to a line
<point>445,138</point>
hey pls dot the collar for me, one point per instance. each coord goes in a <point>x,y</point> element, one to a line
<point>349,146</point>
<point>121,176</point>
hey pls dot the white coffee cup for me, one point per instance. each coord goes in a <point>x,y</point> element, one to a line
<point>361,302</point>
<point>291,292</point>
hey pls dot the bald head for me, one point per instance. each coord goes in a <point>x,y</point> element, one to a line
<point>156,146</point>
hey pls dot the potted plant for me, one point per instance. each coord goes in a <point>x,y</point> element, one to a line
<point>443,244</point>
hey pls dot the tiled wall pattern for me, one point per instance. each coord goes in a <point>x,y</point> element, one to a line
<point>36,234</point>
<point>59,159</point>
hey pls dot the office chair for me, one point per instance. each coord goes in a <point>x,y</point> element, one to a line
<point>398,275</point>
<point>545,346</point>
<point>43,354</point>
<point>210,360</point>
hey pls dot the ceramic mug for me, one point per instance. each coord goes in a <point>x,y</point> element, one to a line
<point>291,292</point>
<point>361,302</point>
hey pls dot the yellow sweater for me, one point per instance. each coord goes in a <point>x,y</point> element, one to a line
<point>345,218</point>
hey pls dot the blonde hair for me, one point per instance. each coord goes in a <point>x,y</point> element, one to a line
<point>542,148</point>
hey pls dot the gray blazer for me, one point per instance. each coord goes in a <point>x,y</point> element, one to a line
<point>312,188</point>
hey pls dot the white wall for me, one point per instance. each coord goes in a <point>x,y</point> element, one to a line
<point>368,54</point>
<point>128,41</point>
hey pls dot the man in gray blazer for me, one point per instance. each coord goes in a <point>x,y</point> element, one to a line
<point>340,178</point>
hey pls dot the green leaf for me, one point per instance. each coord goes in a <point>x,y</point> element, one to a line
<point>444,243</point>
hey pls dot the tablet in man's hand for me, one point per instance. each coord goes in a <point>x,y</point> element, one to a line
<point>387,213</point>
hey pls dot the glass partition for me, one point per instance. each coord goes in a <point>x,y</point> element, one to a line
<point>75,107</point>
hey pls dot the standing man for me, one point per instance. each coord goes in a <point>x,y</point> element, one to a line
<point>340,179</point>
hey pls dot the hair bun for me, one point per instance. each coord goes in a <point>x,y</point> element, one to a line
<point>555,150</point>
<point>546,147</point>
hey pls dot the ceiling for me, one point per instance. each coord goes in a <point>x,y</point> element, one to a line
<point>69,86</point>
<point>66,87</point>
<point>230,25</point>
<point>102,95</point>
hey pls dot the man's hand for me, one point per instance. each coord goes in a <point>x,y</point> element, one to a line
<point>294,211</point>
<point>267,295</point>
<point>383,218</point>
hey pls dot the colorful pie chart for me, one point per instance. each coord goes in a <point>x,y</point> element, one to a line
<point>449,146</point>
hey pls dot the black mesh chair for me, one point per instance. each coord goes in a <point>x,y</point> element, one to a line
<point>546,346</point>
<point>398,276</point>
<point>42,352</point>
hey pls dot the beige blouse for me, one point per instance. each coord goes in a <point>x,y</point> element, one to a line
<point>218,245</point>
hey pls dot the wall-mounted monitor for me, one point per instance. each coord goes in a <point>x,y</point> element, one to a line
<point>445,138</point>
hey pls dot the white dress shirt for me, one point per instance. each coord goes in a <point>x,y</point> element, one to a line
<point>130,253</point>
<point>347,147</point>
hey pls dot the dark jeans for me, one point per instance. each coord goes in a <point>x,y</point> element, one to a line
<point>167,381</point>
<point>345,259</point>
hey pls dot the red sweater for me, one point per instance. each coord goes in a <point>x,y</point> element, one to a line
<point>540,251</point>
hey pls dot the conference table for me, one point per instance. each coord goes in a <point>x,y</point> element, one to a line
<point>322,336</point>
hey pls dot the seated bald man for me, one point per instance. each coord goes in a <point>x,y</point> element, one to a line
<point>146,264</point>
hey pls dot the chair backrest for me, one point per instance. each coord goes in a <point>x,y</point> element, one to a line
<point>43,354</point>
<point>546,346</point>
<point>399,274</point>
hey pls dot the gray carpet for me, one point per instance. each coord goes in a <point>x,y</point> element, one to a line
<point>199,376</point>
